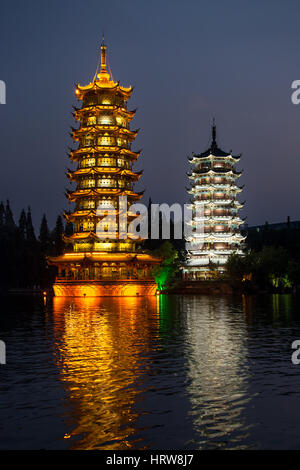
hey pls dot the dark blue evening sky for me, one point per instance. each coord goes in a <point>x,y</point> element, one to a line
<point>189,61</point>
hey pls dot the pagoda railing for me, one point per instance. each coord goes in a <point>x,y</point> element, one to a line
<point>103,278</point>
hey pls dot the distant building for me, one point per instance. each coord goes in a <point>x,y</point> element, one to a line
<point>284,234</point>
<point>295,224</point>
<point>213,188</point>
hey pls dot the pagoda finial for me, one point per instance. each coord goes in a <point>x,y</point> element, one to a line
<point>103,75</point>
<point>103,55</point>
<point>214,132</point>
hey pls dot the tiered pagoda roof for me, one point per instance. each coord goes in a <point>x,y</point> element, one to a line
<point>102,255</point>
<point>214,150</point>
<point>216,230</point>
<point>103,133</point>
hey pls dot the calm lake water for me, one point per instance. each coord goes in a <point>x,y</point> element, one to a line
<point>172,372</point>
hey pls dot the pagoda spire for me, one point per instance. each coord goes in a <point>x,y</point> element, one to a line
<point>103,54</point>
<point>104,75</point>
<point>214,134</point>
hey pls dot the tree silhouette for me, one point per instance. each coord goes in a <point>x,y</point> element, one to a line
<point>44,236</point>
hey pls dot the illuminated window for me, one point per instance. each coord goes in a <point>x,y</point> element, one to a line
<point>106,140</point>
<point>87,204</point>
<point>105,246</point>
<point>105,120</point>
<point>91,121</point>
<point>106,161</point>
<point>121,142</point>
<point>105,203</point>
<point>105,99</point>
<point>89,140</point>
<point>88,226</point>
<point>121,121</point>
<point>90,183</point>
<point>90,162</point>
<point>220,246</point>
<point>107,183</point>
<point>106,271</point>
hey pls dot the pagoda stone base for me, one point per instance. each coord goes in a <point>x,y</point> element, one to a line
<point>104,288</point>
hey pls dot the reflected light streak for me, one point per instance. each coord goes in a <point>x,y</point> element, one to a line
<point>100,348</point>
<point>217,370</point>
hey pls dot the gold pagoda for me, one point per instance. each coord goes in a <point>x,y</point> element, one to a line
<point>103,261</point>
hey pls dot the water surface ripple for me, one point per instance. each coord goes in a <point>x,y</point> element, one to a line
<point>172,372</point>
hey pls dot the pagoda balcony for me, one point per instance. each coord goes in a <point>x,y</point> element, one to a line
<point>102,277</point>
<point>104,167</point>
<point>217,214</point>
<point>76,154</point>
<point>91,147</point>
<point>95,129</point>
<point>225,182</point>
<point>111,186</point>
<point>225,231</point>
<point>212,186</point>
<point>220,232</point>
<point>214,198</point>
<point>219,169</point>
<point>213,217</point>
<point>97,236</point>
<point>118,249</point>
<point>206,233</point>
<point>84,277</point>
<point>213,251</point>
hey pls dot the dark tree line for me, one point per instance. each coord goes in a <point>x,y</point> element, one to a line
<point>23,253</point>
<point>286,237</point>
<point>272,259</point>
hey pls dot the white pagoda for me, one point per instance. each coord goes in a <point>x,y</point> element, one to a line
<point>216,226</point>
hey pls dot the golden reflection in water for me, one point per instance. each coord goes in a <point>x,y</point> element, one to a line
<point>101,345</point>
<point>247,305</point>
<point>280,306</point>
